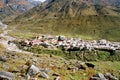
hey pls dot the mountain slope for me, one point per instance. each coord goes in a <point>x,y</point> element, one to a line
<point>10,8</point>
<point>74,17</point>
<point>73,8</point>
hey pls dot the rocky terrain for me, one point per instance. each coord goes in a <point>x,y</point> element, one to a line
<point>12,8</point>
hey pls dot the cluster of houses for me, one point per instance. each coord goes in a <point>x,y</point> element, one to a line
<point>72,44</point>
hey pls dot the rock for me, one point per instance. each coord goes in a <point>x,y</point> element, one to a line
<point>57,78</point>
<point>119,71</point>
<point>90,65</point>
<point>44,75</point>
<point>98,76</point>
<point>3,59</point>
<point>27,77</point>
<point>74,69</point>
<point>34,79</point>
<point>6,76</point>
<point>55,74</point>
<point>95,78</point>
<point>81,65</point>
<point>33,70</point>
<point>110,76</point>
<point>51,55</point>
<point>46,70</point>
<point>101,76</point>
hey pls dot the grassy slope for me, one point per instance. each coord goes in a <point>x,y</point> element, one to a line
<point>44,61</point>
<point>86,27</point>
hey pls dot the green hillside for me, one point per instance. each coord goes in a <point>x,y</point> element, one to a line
<point>70,18</point>
<point>88,27</point>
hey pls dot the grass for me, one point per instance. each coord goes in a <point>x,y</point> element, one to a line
<point>107,66</point>
<point>56,64</point>
<point>85,27</point>
<point>90,27</point>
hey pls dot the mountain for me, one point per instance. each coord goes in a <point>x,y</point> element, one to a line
<point>10,8</point>
<point>75,8</point>
<point>91,18</point>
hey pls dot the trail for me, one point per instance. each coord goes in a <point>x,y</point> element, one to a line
<point>4,42</point>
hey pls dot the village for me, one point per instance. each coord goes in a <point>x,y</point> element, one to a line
<point>70,44</point>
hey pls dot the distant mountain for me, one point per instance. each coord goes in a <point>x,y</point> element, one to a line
<point>75,8</point>
<point>10,8</point>
<point>95,18</point>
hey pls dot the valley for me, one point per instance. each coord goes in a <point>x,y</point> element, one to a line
<point>60,40</point>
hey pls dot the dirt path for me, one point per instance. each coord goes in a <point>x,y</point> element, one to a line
<point>4,42</point>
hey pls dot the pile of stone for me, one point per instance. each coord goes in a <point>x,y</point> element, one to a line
<point>100,76</point>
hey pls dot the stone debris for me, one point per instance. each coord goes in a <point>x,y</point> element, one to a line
<point>6,75</point>
<point>100,76</point>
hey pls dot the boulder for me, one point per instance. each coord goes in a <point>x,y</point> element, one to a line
<point>3,59</point>
<point>6,76</point>
<point>33,70</point>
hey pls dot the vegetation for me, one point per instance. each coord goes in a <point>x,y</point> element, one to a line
<point>45,61</point>
<point>86,27</point>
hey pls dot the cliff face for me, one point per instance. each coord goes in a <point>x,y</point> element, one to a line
<point>10,8</point>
